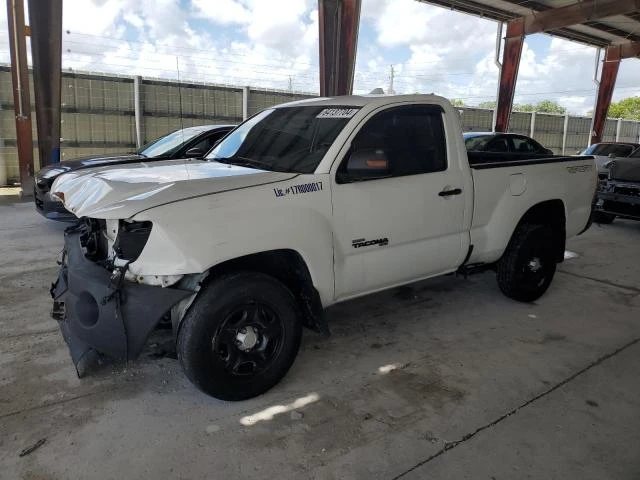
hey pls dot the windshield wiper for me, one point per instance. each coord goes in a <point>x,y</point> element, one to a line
<point>247,162</point>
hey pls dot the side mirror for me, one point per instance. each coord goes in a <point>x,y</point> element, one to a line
<point>366,164</point>
<point>194,153</point>
<point>612,155</point>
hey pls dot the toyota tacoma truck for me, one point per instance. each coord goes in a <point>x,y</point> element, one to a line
<point>304,205</point>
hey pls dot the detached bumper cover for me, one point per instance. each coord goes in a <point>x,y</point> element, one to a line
<point>100,317</point>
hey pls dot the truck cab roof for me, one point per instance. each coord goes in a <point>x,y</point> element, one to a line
<point>362,100</point>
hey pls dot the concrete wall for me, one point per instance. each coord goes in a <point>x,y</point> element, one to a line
<point>98,116</point>
<point>549,130</point>
<point>98,112</point>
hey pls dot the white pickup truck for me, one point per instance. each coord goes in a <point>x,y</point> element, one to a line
<point>302,206</point>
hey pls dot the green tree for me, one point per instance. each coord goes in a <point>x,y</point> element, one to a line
<point>549,106</point>
<point>490,105</point>
<point>545,106</point>
<point>525,107</point>
<point>629,109</point>
<point>456,102</point>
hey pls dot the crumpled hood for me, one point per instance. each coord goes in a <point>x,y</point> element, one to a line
<point>625,169</point>
<point>123,191</point>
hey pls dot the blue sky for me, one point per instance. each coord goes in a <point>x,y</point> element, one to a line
<point>275,45</point>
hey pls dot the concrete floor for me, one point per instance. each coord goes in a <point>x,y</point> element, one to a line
<point>443,379</point>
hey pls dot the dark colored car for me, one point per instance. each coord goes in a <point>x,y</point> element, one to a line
<point>503,143</point>
<point>192,142</point>
<point>604,152</point>
<point>619,194</point>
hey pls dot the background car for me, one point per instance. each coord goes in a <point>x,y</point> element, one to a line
<point>607,151</point>
<point>619,193</point>
<point>191,142</point>
<point>502,142</point>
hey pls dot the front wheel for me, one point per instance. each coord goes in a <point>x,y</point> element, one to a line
<point>240,336</point>
<point>527,267</point>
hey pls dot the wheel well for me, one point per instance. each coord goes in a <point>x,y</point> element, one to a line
<point>288,267</point>
<point>550,212</point>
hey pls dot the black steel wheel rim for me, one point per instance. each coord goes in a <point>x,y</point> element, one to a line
<point>249,339</point>
<point>535,266</point>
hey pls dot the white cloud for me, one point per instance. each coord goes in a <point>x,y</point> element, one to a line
<point>264,44</point>
<point>223,11</point>
<point>133,19</point>
<point>90,16</point>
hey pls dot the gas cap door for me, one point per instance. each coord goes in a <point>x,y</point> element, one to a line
<point>517,184</point>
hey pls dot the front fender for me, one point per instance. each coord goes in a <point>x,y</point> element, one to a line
<point>193,235</point>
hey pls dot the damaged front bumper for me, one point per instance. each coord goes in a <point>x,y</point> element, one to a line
<point>102,314</point>
<point>620,198</point>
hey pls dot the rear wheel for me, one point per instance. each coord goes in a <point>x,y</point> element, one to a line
<point>527,267</point>
<point>603,218</point>
<point>240,336</point>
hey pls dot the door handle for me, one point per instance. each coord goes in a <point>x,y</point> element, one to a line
<point>453,191</point>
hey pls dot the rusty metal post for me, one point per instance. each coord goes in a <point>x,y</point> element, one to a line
<point>21,97</point>
<point>338,21</point>
<point>605,92</point>
<point>509,73</point>
<point>45,17</point>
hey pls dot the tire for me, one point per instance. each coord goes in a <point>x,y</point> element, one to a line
<point>526,269</point>
<point>240,336</point>
<point>603,218</point>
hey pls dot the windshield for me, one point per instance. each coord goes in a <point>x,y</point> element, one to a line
<point>477,143</point>
<point>289,139</point>
<point>635,154</point>
<point>606,149</point>
<point>169,144</point>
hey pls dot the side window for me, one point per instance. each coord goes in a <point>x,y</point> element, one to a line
<point>523,145</point>
<point>207,143</point>
<point>498,145</point>
<point>622,150</point>
<point>412,138</point>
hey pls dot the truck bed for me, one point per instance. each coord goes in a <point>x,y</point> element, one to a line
<point>507,184</point>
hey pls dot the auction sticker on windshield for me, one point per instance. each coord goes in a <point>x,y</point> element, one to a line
<point>337,113</point>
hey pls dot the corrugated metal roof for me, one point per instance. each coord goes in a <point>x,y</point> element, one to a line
<point>606,31</point>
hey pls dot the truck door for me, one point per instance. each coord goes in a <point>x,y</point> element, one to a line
<point>398,202</point>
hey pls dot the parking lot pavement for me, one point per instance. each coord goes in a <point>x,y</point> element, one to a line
<point>443,379</point>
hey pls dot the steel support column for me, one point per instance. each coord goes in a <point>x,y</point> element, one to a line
<point>45,17</point>
<point>138,111</point>
<point>21,97</point>
<point>338,21</point>
<point>509,73</point>
<point>605,92</point>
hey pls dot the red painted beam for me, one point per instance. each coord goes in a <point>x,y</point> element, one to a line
<point>628,50</point>
<point>509,72</point>
<point>338,22</point>
<point>605,91</point>
<point>574,14</point>
<point>46,51</point>
<point>21,96</point>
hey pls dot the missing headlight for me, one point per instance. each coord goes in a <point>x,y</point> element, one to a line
<point>131,239</point>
